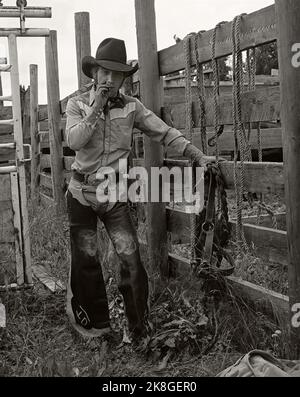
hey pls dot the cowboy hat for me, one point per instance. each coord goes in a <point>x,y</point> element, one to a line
<point>110,55</point>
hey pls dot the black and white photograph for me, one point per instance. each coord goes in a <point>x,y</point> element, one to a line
<point>149,192</point>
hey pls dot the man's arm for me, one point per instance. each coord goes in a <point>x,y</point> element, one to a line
<point>159,131</point>
<point>79,129</point>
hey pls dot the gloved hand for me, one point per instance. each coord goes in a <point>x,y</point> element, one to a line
<point>200,158</point>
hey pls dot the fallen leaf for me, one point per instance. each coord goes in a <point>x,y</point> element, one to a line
<point>170,342</point>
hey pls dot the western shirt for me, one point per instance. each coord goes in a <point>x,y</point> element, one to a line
<point>101,139</point>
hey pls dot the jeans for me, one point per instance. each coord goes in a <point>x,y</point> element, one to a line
<point>87,293</point>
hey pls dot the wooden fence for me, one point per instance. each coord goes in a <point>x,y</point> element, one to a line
<point>260,105</point>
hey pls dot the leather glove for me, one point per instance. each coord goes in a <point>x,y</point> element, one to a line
<point>200,158</point>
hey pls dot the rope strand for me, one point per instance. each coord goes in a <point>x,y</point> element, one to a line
<point>241,144</point>
<point>189,135</point>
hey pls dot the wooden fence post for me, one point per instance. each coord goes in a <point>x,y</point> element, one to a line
<point>152,95</point>
<point>54,118</point>
<point>288,16</point>
<point>34,131</point>
<point>83,44</point>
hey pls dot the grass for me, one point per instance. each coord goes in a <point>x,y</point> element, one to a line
<point>193,335</point>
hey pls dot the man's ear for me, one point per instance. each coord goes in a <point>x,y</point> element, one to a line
<point>94,75</point>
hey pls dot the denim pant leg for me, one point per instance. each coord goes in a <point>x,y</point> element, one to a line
<point>87,300</point>
<point>133,277</point>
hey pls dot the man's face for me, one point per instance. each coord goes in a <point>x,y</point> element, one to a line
<point>109,78</point>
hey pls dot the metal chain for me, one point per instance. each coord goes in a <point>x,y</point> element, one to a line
<point>189,133</point>
<point>201,95</point>
<point>238,128</point>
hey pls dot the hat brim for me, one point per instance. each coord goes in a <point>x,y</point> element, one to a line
<point>89,62</point>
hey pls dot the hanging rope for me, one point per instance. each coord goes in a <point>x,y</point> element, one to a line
<point>215,89</point>
<point>189,135</point>
<point>251,69</point>
<point>241,144</point>
<point>201,95</point>
<point>216,93</point>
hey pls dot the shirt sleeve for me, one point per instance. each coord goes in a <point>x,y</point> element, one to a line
<point>79,128</point>
<point>158,130</point>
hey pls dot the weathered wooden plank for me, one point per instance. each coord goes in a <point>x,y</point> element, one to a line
<point>68,161</point>
<point>45,161</point>
<point>265,300</point>
<point>176,83</point>
<point>44,140</point>
<point>43,112</point>
<point>46,180</point>
<point>56,151</point>
<point>8,138</point>
<point>6,112</point>
<point>271,138</point>
<point>25,106</point>
<point>6,129</point>
<point>44,125</point>
<point>288,15</point>
<point>68,176</point>
<point>7,154</point>
<point>260,105</point>
<point>83,44</point>
<point>34,130</point>
<point>259,177</point>
<point>268,220</point>
<point>18,179</point>
<point>152,97</point>
<point>269,244</point>
<point>257,28</point>
<point>18,230</point>
<point>46,201</point>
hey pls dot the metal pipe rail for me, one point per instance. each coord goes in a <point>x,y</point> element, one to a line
<point>8,169</point>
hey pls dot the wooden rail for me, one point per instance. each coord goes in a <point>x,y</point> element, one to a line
<point>259,177</point>
<point>256,28</point>
<point>263,104</point>
<point>269,244</point>
<point>260,297</point>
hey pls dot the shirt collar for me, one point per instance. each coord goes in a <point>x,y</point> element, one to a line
<point>117,102</point>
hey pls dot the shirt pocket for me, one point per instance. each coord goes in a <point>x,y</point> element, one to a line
<point>121,134</point>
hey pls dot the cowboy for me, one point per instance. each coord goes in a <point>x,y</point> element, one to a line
<point>99,129</point>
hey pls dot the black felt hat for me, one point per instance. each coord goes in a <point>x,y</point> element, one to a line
<point>110,55</point>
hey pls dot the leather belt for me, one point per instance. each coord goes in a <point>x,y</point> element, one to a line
<point>90,179</point>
